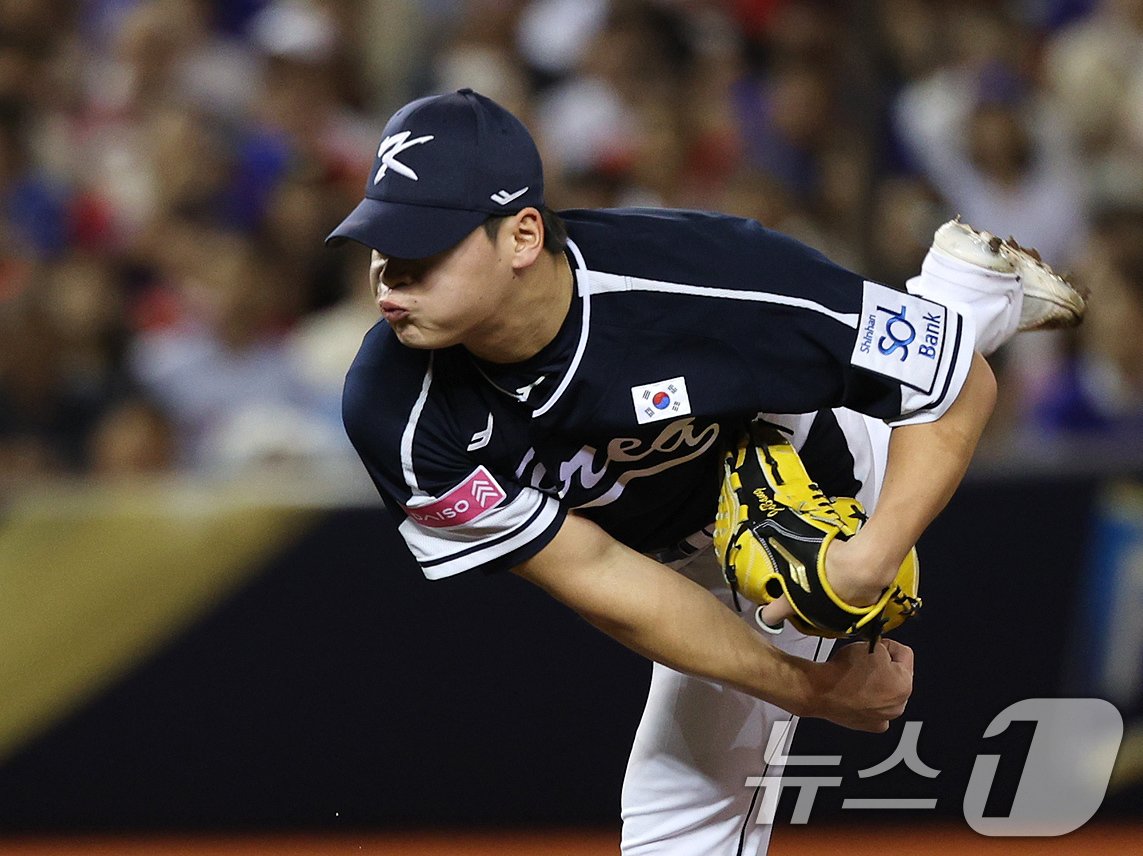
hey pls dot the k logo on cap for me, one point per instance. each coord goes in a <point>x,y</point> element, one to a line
<point>445,164</point>
<point>391,147</point>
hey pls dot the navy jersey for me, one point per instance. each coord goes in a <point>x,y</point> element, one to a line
<point>683,327</point>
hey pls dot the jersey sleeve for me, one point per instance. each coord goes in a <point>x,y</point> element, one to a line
<point>453,512</point>
<point>849,341</point>
<point>922,347</point>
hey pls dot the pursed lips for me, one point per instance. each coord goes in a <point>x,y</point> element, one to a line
<point>392,311</point>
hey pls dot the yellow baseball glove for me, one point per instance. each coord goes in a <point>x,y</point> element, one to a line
<point>773,528</point>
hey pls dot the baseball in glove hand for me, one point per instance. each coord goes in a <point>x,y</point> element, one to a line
<point>771,534</point>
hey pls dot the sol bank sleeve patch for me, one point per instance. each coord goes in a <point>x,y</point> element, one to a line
<point>902,337</point>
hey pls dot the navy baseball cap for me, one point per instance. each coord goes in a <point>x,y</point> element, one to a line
<point>445,164</point>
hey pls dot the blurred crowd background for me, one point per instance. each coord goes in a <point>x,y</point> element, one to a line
<point>169,169</point>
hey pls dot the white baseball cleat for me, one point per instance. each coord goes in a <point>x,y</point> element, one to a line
<point>963,242</point>
<point>1049,301</point>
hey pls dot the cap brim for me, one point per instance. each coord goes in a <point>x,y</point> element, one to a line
<point>405,231</point>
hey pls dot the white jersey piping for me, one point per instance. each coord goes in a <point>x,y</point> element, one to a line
<point>581,279</point>
<point>601,283</point>
<point>410,429</point>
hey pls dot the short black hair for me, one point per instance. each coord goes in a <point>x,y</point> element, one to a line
<point>555,232</point>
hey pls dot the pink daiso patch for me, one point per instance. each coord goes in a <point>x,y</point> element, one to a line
<point>464,503</point>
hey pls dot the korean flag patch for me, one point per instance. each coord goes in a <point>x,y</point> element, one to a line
<point>662,400</point>
<point>900,336</point>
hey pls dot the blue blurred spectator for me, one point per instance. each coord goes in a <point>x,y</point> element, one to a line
<point>1098,387</point>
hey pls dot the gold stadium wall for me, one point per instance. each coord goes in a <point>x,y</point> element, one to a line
<point>206,657</point>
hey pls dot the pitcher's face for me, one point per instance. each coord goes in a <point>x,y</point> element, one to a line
<point>446,299</point>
